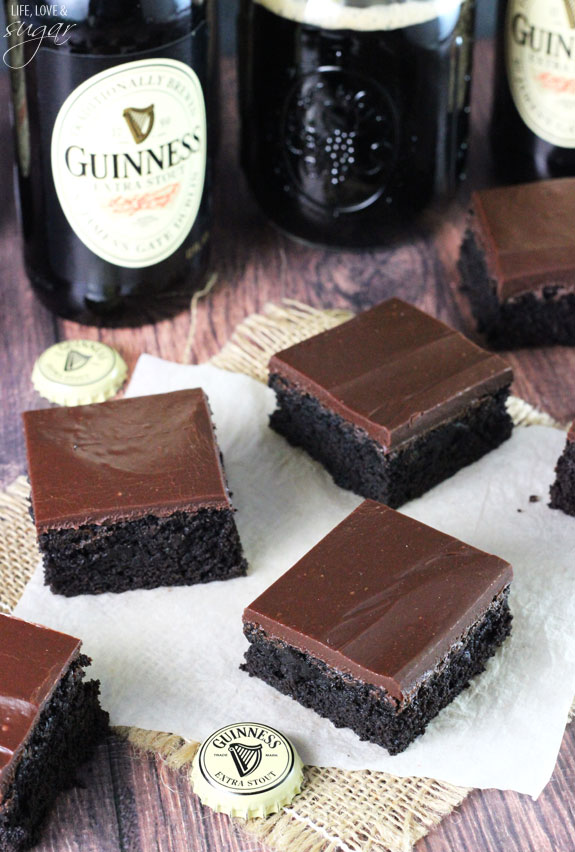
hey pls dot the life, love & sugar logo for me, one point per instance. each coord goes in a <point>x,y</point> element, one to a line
<point>25,33</point>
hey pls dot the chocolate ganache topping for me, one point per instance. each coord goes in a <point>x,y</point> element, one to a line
<point>527,234</point>
<point>382,597</point>
<point>394,371</point>
<point>124,459</point>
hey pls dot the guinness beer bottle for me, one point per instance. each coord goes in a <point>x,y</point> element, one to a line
<point>533,128</point>
<point>114,116</point>
<point>354,114</point>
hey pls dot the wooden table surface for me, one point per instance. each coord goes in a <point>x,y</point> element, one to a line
<point>129,802</point>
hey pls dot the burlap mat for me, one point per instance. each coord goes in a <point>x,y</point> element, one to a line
<point>350,810</point>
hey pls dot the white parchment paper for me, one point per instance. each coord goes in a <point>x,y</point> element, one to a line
<point>168,659</point>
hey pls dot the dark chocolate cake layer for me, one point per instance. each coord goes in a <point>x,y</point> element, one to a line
<point>563,489</point>
<point>50,721</point>
<point>146,553</point>
<point>359,463</point>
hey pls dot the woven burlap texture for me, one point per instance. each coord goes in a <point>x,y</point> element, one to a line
<point>356,811</point>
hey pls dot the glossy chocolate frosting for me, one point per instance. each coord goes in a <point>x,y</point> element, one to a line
<point>393,371</point>
<point>32,662</point>
<point>122,460</point>
<point>527,234</point>
<point>382,597</point>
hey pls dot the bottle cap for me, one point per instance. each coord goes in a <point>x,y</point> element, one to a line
<point>247,770</point>
<point>77,372</point>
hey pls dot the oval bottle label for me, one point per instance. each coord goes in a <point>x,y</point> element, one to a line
<point>129,160</point>
<point>540,58</point>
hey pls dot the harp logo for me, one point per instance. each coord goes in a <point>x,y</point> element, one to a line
<point>75,361</point>
<point>140,122</point>
<point>246,757</point>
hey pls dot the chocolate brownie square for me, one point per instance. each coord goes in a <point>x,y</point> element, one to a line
<point>563,489</point>
<point>131,494</point>
<point>391,402</point>
<point>380,625</point>
<point>50,721</point>
<point>517,263</point>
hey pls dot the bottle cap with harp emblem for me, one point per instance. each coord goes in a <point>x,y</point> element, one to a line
<point>247,770</point>
<point>78,372</point>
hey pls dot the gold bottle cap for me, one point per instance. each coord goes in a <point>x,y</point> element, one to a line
<point>78,372</point>
<point>247,770</point>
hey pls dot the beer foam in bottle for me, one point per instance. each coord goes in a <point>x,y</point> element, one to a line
<point>333,14</point>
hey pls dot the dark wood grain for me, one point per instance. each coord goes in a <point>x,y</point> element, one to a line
<point>129,802</point>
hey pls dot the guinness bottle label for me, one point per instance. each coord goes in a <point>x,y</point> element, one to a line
<point>129,160</point>
<point>540,56</point>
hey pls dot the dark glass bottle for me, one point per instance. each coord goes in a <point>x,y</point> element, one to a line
<point>114,113</point>
<point>533,126</point>
<point>355,115</point>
